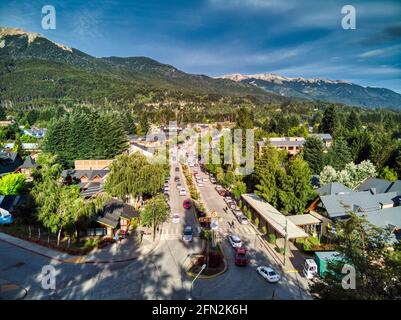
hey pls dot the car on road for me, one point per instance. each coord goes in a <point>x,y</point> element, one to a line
<point>188,234</point>
<point>241,256</point>
<point>221,192</point>
<point>243,219</point>
<point>176,218</point>
<point>268,274</point>
<point>237,212</point>
<point>183,192</point>
<point>235,241</point>
<point>200,184</point>
<point>6,218</point>
<point>176,179</point>
<point>177,169</point>
<point>204,179</point>
<point>178,186</point>
<point>187,204</point>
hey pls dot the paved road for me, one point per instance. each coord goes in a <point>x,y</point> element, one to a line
<point>160,275</point>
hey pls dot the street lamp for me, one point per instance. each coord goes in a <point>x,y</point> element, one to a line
<point>192,283</point>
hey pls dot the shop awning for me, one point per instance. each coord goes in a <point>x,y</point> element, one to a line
<point>273,217</point>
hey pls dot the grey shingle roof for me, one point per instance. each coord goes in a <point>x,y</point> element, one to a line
<point>90,174</point>
<point>386,217</point>
<point>112,212</point>
<point>379,185</point>
<point>363,201</point>
<point>333,188</point>
<point>29,163</point>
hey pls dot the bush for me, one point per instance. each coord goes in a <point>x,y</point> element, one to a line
<point>264,230</point>
<point>309,244</point>
<point>257,222</point>
<point>134,224</point>
<point>249,215</point>
<point>206,235</point>
<point>104,242</point>
<point>272,238</point>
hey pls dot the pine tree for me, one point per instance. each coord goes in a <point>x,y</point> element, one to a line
<point>339,154</point>
<point>313,154</point>
<point>353,121</point>
<point>330,121</point>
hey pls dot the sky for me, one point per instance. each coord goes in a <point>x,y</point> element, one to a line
<point>293,38</point>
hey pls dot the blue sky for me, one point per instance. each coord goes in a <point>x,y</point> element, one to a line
<point>214,37</point>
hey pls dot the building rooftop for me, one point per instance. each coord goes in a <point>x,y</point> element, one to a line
<point>275,218</point>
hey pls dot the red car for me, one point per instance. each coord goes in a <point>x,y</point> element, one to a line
<point>187,204</point>
<point>241,256</point>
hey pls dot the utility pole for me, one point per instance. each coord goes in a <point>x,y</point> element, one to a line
<point>154,222</point>
<point>285,239</point>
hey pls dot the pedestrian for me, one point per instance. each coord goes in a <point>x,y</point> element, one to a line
<point>233,224</point>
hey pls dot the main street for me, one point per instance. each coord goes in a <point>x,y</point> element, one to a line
<point>160,274</point>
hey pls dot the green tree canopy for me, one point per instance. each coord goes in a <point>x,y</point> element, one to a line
<point>330,120</point>
<point>12,184</point>
<point>376,261</point>
<point>313,154</point>
<point>133,175</point>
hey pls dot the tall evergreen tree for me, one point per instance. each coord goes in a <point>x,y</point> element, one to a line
<point>329,121</point>
<point>353,121</point>
<point>313,154</point>
<point>339,154</point>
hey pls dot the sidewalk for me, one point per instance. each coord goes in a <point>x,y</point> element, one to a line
<point>11,291</point>
<point>126,250</point>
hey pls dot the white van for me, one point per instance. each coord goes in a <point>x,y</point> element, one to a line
<point>310,269</point>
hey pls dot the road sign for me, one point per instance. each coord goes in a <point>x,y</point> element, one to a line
<point>214,225</point>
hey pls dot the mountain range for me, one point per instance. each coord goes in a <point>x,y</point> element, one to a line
<point>338,91</point>
<point>34,67</point>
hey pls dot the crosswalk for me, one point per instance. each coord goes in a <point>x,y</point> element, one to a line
<point>241,230</point>
<point>176,233</point>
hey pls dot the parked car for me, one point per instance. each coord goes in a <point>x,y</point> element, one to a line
<point>235,241</point>
<point>183,192</point>
<point>166,189</point>
<point>232,205</point>
<point>243,219</point>
<point>222,192</point>
<point>241,256</point>
<point>237,212</point>
<point>188,234</point>
<point>6,218</point>
<point>187,204</point>
<point>212,180</point>
<point>176,218</point>
<point>200,184</point>
<point>268,274</point>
